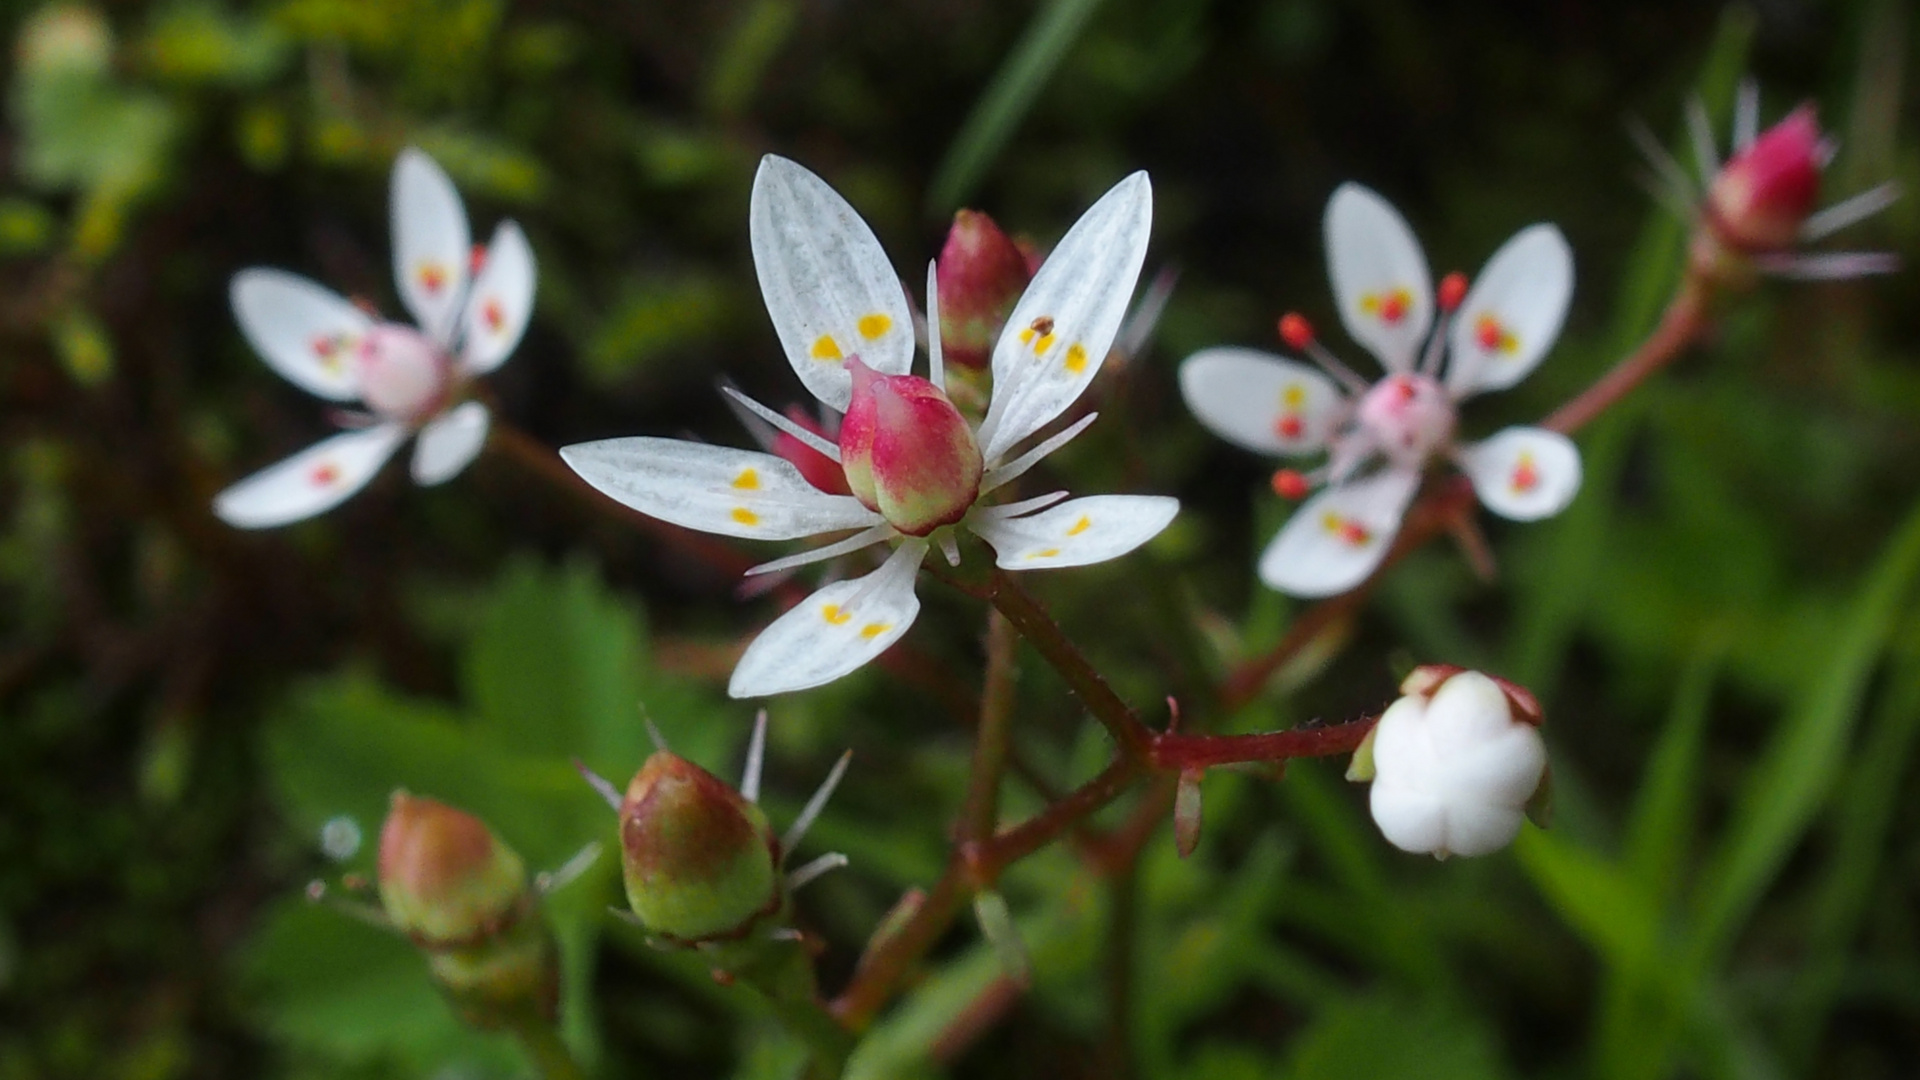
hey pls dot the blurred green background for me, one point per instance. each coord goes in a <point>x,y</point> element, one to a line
<point>1722,628</point>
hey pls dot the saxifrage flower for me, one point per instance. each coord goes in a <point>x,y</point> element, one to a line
<point>915,467</point>
<point>1379,437</point>
<point>470,307</point>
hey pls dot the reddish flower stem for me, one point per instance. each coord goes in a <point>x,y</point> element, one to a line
<point>1175,753</point>
<point>1681,324</point>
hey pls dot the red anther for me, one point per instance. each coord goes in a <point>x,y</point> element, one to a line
<point>1290,427</point>
<point>1289,484</point>
<point>1296,331</point>
<point>1453,289</point>
<point>476,258</point>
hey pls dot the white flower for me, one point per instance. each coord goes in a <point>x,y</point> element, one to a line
<point>833,296</point>
<point>410,380</point>
<point>1380,436</point>
<point>1454,768</point>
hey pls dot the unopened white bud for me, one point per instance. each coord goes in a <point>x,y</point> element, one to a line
<point>1454,766</point>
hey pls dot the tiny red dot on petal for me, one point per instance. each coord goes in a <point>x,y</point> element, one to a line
<point>1354,533</point>
<point>325,475</point>
<point>1290,426</point>
<point>1393,308</point>
<point>1487,332</point>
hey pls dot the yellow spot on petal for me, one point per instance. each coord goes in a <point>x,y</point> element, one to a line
<point>745,516</point>
<point>825,348</point>
<point>748,480</point>
<point>1080,526</point>
<point>1042,344</point>
<point>874,629</point>
<point>1044,553</point>
<point>1026,335</point>
<point>835,615</point>
<point>1076,358</point>
<point>872,326</point>
<point>1389,307</point>
<point>1294,396</point>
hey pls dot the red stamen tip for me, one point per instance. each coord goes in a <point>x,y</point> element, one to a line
<point>1289,484</point>
<point>1296,331</point>
<point>1453,289</point>
<point>476,258</point>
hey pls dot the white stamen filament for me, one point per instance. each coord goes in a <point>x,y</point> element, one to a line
<point>826,448</point>
<point>551,880</point>
<point>864,538</point>
<point>950,547</point>
<point>599,783</point>
<point>1829,266</point>
<point>936,361</point>
<point>808,813</point>
<point>814,869</point>
<point>756,758</point>
<point>1001,474</point>
<point>1331,364</point>
<point>1746,115</point>
<point>762,432</point>
<point>1847,211</point>
<point>1677,184</point>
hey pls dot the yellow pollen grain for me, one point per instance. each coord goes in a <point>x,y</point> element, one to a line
<point>1076,361</point>
<point>745,516</point>
<point>1293,396</point>
<point>872,326</point>
<point>748,480</point>
<point>1080,526</point>
<point>874,629</point>
<point>825,348</point>
<point>835,615</point>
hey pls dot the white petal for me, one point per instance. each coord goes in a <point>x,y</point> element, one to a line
<point>1059,333</point>
<point>501,301</point>
<point>828,285</point>
<point>1512,314</point>
<point>1078,532</point>
<point>1266,403</point>
<point>431,243</point>
<point>1524,473</point>
<point>310,482</point>
<point>715,489</point>
<point>1453,776</point>
<point>1379,275</point>
<point>450,443</point>
<point>1337,537</point>
<point>834,631</point>
<point>303,331</point>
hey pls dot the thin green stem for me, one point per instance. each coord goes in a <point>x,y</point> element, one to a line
<point>981,812</point>
<point>1034,624</point>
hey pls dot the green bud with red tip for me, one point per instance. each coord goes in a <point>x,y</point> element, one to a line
<point>445,879</point>
<point>700,861</point>
<point>981,275</point>
<point>907,452</point>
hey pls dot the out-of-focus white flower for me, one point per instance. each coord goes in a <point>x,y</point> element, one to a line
<point>1380,436</point>
<point>471,307</point>
<point>916,469</point>
<point>1454,763</point>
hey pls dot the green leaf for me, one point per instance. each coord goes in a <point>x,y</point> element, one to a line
<point>1385,1038</point>
<point>1007,100</point>
<point>1803,758</point>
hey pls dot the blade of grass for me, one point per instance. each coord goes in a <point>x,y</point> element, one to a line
<point>1007,100</point>
<point>1803,759</point>
<point>1860,844</point>
<point>1663,816</point>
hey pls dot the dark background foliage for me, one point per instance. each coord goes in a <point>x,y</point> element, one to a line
<point>1720,628</point>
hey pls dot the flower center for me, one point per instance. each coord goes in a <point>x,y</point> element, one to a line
<point>1408,417</point>
<point>404,375</point>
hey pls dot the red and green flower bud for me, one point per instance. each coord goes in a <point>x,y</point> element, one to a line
<point>505,980</point>
<point>1763,195</point>
<point>815,467</point>
<point>907,452</point>
<point>981,275</point>
<point>445,879</point>
<point>700,861</point>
